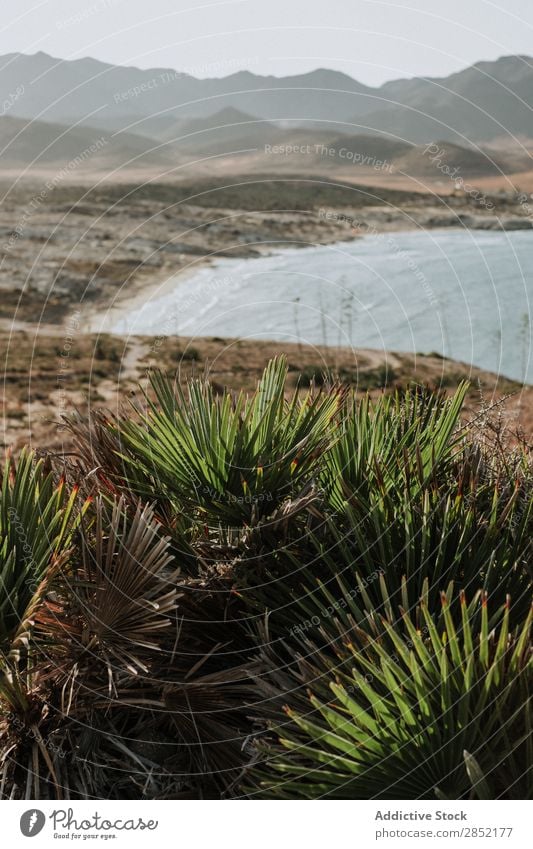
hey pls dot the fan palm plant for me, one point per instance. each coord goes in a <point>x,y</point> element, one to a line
<point>400,441</point>
<point>38,520</point>
<point>406,500</point>
<point>220,459</point>
<point>406,710</point>
<point>130,661</point>
<point>129,685</point>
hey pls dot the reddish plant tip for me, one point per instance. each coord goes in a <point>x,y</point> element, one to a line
<point>462,597</point>
<point>484,599</point>
<point>443,599</point>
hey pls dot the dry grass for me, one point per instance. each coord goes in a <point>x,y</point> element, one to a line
<point>49,376</point>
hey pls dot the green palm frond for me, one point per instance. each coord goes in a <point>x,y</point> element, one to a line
<point>37,522</point>
<point>411,713</point>
<point>227,459</point>
<point>398,441</point>
<point>417,518</point>
<point>132,664</point>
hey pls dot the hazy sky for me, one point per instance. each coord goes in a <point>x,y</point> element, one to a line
<point>372,40</point>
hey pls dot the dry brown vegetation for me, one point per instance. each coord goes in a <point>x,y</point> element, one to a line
<point>48,376</point>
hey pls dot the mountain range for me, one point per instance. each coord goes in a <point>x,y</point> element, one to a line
<point>487,101</point>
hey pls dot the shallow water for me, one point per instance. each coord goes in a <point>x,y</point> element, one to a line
<point>462,294</point>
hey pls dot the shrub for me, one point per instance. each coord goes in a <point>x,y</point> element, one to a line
<point>135,661</point>
<point>190,353</point>
<point>221,458</point>
<point>408,710</point>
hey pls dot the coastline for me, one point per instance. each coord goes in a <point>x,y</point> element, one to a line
<point>140,291</point>
<point>122,249</point>
<point>217,303</point>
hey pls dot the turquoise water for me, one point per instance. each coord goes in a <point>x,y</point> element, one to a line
<point>463,294</point>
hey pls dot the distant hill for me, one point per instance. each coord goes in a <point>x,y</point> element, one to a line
<point>486,101</point>
<point>445,159</point>
<point>65,90</point>
<point>301,151</point>
<point>378,147</point>
<point>259,144</point>
<point>38,144</point>
<point>225,131</point>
